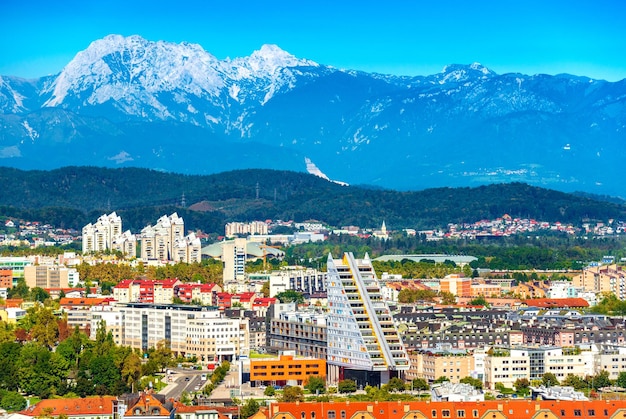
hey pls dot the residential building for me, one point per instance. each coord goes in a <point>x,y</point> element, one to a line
<point>488,409</point>
<point>234,258</point>
<point>166,241</point>
<point>285,370</point>
<point>505,366</point>
<point>106,234</point>
<point>6,278</point>
<point>305,280</point>
<point>434,363</point>
<point>16,265</point>
<point>243,229</point>
<point>75,408</point>
<point>303,332</point>
<point>189,330</point>
<point>202,294</point>
<point>111,318</point>
<point>78,310</point>
<point>146,291</point>
<point>603,278</point>
<point>363,342</point>
<point>457,285</point>
<point>47,276</point>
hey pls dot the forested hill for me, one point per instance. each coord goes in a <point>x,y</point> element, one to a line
<point>72,196</point>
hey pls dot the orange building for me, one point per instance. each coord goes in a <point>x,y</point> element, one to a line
<point>285,370</point>
<point>6,278</point>
<point>456,284</point>
<point>493,409</point>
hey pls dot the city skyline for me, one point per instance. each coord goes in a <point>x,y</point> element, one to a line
<point>402,38</point>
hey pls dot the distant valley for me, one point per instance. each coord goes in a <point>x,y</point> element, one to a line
<point>130,102</point>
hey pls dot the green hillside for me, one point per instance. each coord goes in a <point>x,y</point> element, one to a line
<point>73,196</point>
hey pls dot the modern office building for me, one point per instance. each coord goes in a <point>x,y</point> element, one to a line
<point>363,342</point>
<point>303,332</point>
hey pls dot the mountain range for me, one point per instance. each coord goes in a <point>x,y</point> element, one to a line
<point>130,102</point>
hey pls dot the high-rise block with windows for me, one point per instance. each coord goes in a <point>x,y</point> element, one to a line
<point>363,342</point>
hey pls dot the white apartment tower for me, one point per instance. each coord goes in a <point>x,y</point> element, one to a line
<point>363,342</point>
<point>234,258</point>
<point>106,234</point>
<point>167,241</point>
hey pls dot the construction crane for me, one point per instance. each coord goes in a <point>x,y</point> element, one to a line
<point>265,247</point>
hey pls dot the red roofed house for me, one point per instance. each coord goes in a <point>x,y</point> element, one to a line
<point>145,405</point>
<point>203,294</point>
<point>146,291</point>
<point>492,409</point>
<point>548,303</point>
<point>87,408</point>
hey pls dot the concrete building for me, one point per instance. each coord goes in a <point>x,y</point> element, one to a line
<point>363,342</point>
<point>305,280</point>
<point>46,276</point>
<point>166,241</point>
<point>431,364</point>
<point>603,278</point>
<point>455,392</point>
<point>234,258</point>
<point>506,366</point>
<point>303,332</point>
<point>190,330</point>
<point>285,370</point>
<point>106,234</point>
<point>146,291</point>
<point>243,229</point>
<point>457,285</point>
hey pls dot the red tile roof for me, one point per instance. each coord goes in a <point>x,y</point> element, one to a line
<point>556,302</point>
<point>72,407</point>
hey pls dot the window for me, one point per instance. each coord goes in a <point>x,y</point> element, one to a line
<point>460,413</point>
<point>475,413</point>
<point>433,413</point>
<point>591,412</point>
<point>445,413</point>
<point>343,414</point>
<point>331,414</point>
<point>562,412</point>
<point>577,412</point>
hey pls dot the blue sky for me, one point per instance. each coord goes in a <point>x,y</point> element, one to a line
<point>397,37</point>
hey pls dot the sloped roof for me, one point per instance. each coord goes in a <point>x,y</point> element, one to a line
<point>72,407</point>
<point>556,302</point>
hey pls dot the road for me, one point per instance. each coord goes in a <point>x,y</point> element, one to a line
<point>181,380</point>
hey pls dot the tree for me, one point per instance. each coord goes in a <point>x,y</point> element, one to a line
<point>292,394</point>
<point>12,401</point>
<point>621,380</point>
<point>269,391</point>
<point>396,384</point>
<point>522,385</point>
<point>39,294</point>
<point>474,382</point>
<point>479,301</point>
<point>290,296</point>
<point>346,386</point>
<point>575,381</point>
<point>601,380</point>
<point>441,379</point>
<point>315,384</point>
<point>419,384</point>
<point>549,380</point>
<point>43,325</point>
<point>447,298</point>
<point>249,408</point>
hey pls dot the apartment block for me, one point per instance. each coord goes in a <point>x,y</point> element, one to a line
<point>432,364</point>
<point>166,241</point>
<point>189,330</point>
<point>506,366</point>
<point>457,285</point>
<point>305,280</point>
<point>234,258</point>
<point>146,291</point>
<point>304,333</point>
<point>604,278</point>
<point>243,229</point>
<point>363,341</point>
<point>106,234</point>
<point>46,276</point>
